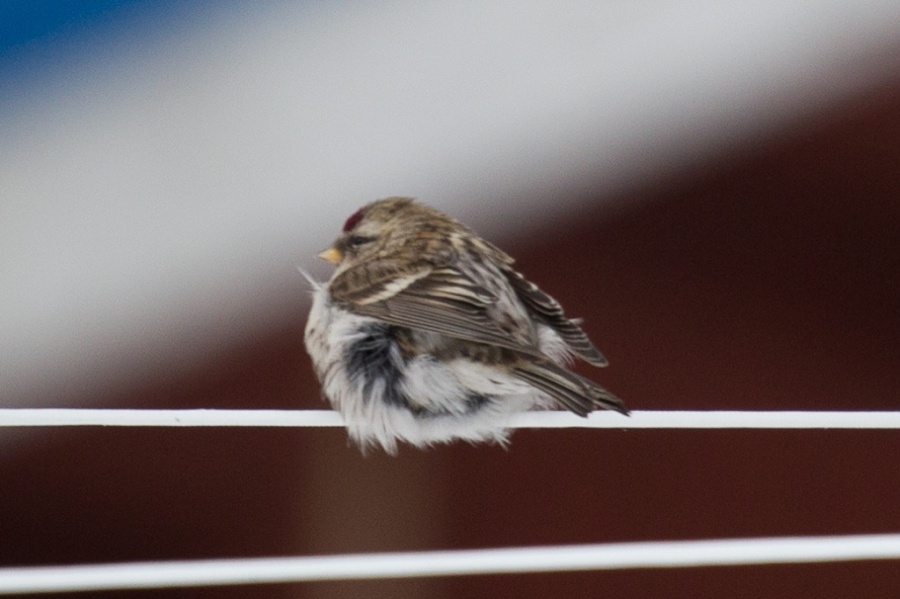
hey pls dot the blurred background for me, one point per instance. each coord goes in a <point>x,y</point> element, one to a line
<point>713,188</point>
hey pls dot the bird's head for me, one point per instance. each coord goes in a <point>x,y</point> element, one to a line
<point>393,228</point>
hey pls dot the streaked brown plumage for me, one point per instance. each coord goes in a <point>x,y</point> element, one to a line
<point>419,302</point>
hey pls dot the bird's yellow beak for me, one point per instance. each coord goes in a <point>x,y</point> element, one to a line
<point>333,255</point>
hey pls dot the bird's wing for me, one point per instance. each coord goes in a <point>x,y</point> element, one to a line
<point>548,311</point>
<point>437,299</point>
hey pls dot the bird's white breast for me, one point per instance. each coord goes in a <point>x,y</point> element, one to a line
<point>437,391</point>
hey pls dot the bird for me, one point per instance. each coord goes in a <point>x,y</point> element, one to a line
<point>425,334</point>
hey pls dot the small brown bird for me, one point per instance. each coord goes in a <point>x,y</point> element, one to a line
<point>426,334</point>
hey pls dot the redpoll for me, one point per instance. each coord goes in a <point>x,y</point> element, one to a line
<point>426,334</point>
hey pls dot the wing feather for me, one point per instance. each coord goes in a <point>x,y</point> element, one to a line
<point>547,310</point>
<point>443,301</point>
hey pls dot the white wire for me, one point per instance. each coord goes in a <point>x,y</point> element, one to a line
<point>14,417</point>
<point>614,556</point>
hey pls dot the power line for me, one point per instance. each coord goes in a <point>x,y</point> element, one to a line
<point>613,556</point>
<point>20,417</point>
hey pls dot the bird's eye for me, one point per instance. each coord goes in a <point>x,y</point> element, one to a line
<point>360,240</point>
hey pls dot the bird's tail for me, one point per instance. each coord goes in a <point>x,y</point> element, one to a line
<point>573,391</point>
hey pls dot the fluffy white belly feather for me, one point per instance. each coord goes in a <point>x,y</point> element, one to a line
<point>419,400</point>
